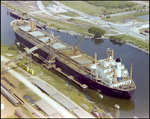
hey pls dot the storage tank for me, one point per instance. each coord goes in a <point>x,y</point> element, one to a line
<point>118,68</point>
<point>13,100</point>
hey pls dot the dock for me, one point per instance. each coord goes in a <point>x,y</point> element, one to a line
<point>83,86</point>
<point>24,16</point>
<point>19,15</point>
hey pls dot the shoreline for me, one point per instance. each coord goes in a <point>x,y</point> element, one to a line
<point>78,34</point>
<point>136,47</point>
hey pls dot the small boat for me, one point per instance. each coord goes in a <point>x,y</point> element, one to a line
<point>117,106</point>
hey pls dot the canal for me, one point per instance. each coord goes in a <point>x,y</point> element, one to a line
<point>138,105</point>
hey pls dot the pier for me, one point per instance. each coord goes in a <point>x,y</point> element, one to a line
<point>83,86</point>
<point>24,16</point>
<point>19,15</point>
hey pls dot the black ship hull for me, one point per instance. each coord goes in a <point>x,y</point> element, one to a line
<point>83,79</point>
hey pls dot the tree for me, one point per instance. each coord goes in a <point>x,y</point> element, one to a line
<point>96,31</point>
<point>108,16</point>
<point>12,47</point>
<point>144,6</point>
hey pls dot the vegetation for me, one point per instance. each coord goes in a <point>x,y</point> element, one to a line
<point>12,47</point>
<point>116,38</point>
<point>55,79</point>
<point>96,31</point>
<point>129,39</point>
<point>21,86</point>
<point>9,5</point>
<point>112,4</point>
<point>33,95</point>
<point>140,13</point>
<point>4,51</point>
<point>121,18</point>
<point>70,13</point>
<point>46,3</point>
<point>95,10</point>
<point>61,25</point>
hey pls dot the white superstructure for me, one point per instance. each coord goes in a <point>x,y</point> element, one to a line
<point>111,72</point>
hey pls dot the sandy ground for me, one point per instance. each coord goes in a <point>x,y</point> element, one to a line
<point>9,108</point>
<point>19,93</point>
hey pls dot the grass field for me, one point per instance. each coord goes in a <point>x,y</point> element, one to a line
<point>91,9</point>
<point>46,3</point>
<point>70,13</point>
<point>135,41</point>
<point>133,16</point>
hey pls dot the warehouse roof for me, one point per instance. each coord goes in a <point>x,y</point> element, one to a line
<point>46,107</point>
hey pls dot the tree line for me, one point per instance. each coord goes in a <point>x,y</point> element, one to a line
<point>112,4</point>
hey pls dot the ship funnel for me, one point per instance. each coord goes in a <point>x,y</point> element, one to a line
<point>131,72</point>
<point>95,58</point>
<point>118,68</point>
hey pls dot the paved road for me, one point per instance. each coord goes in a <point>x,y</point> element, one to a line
<point>128,30</point>
<point>122,27</point>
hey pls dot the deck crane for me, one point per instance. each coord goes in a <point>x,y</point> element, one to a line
<point>77,45</point>
<point>28,51</point>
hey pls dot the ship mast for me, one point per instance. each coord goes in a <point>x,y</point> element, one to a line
<point>112,53</point>
<point>95,58</point>
<point>131,72</point>
<point>108,50</point>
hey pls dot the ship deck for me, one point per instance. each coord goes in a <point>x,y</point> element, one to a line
<point>64,51</point>
<point>79,61</point>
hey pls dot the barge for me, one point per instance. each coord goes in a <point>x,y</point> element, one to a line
<point>109,75</point>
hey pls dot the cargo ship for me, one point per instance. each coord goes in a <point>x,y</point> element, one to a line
<point>108,76</point>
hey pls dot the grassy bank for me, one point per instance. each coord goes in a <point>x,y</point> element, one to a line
<point>120,18</point>
<point>60,25</point>
<point>135,41</point>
